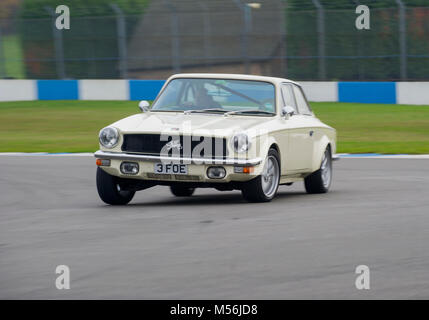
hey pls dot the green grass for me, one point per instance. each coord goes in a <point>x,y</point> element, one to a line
<point>379,128</point>
<point>57,126</point>
<point>72,126</point>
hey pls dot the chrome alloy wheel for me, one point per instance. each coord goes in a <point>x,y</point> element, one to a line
<point>326,169</point>
<point>270,176</point>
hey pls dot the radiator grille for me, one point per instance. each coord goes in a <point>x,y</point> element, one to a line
<point>183,146</point>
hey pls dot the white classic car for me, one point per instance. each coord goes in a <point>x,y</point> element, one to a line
<point>224,131</point>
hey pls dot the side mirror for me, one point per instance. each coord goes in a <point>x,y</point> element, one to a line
<point>288,111</point>
<point>144,106</point>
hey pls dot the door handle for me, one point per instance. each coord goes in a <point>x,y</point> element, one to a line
<point>311,133</point>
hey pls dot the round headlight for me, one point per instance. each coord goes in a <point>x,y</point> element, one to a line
<point>109,137</point>
<point>240,142</point>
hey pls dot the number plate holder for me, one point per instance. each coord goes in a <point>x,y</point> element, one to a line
<point>170,168</point>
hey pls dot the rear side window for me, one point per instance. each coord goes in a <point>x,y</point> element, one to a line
<point>288,98</point>
<point>301,102</point>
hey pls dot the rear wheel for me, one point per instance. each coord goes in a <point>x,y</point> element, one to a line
<point>320,180</point>
<point>264,187</point>
<point>110,191</point>
<point>180,191</point>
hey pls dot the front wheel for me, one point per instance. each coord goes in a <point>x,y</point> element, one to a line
<point>264,187</point>
<point>320,180</point>
<point>110,191</point>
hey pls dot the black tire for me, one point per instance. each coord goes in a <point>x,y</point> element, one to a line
<point>108,189</point>
<point>252,190</point>
<point>181,191</point>
<point>315,182</point>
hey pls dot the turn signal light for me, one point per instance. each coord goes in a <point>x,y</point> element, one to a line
<point>244,169</point>
<point>248,169</point>
<point>103,162</point>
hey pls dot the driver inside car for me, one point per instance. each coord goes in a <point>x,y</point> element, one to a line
<point>203,100</point>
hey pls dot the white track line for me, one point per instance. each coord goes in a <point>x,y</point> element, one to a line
<point>337,156</point>
<point>30,154</point>
<point>381,156</point>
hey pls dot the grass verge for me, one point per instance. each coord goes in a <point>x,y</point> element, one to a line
<point>72,126</point>
<point>379,128</point>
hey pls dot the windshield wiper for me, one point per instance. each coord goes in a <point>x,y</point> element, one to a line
<point>204,111</point>
<point>249,111</point>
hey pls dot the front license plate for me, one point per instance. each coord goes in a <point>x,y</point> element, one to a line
<point>170,168</point>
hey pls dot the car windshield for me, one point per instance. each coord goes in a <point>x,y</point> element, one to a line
<point>217,96</point>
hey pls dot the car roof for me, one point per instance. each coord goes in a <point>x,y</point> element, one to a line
<point>232,76</point>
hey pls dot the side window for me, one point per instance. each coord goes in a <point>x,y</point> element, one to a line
<point>287,94</point>
<point>303,107</point>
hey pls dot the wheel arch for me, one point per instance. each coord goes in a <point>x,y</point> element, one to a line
<point>319,150</point>
<point>275,146</point>
<point>264,145</point>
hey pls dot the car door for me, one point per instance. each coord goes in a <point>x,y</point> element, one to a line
<point>299,126</point>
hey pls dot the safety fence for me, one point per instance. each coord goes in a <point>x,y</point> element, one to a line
<point>297,39</point>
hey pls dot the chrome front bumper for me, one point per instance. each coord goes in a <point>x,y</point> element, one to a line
<point>142,157</point>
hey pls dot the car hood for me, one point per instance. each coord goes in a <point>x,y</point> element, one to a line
<point>179,123</point>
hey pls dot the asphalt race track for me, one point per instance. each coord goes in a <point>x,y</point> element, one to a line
<point>214,245</point>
